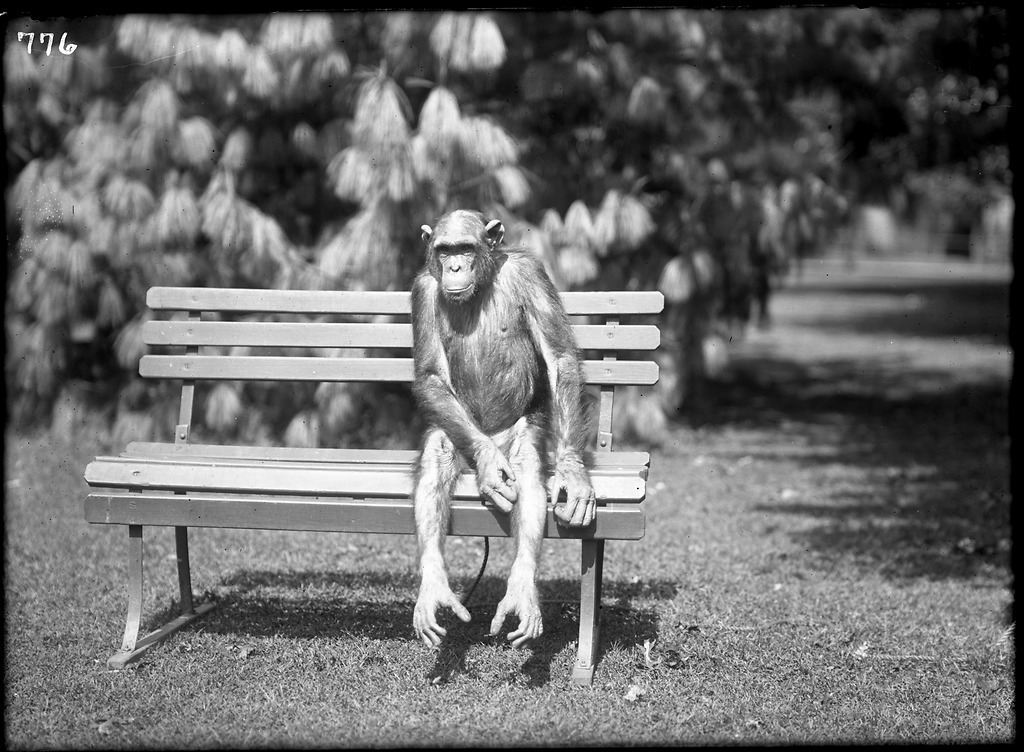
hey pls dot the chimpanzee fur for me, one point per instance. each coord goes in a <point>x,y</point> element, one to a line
<point>498,379</point>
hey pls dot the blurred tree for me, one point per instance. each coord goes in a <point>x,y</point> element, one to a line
<point>161,135</point>
<point>919,98</point>
<point>691,151</point>
<point>224,150</point>
<point>955,154</point>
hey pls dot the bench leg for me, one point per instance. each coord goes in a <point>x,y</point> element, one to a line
<point>131,630</point>
<point>592,561</point>
<point>184,572</point>
<point>131,646</point>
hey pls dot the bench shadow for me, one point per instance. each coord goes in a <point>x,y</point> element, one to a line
<point>378,605</point>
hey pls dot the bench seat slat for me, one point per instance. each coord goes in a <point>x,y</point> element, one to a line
<point>323,334</point>
<point>613,522</point>
<point>310,479</point>
<point>282,368</point>
<point>303,454</point>
<point>334,301</point>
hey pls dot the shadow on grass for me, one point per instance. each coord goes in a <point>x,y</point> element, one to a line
<point>934,496</point>
<point>935,540</point>
<point>378,605</point>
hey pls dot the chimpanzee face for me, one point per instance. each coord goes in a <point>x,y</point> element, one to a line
<point>458,273</point>
<point>459,253</point>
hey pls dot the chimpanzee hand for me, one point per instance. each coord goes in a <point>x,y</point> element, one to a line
<point>495,477</point>
<point>522,600</point>
<point>580,505</point>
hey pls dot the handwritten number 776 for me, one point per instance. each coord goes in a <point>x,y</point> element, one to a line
<point>67,49</point>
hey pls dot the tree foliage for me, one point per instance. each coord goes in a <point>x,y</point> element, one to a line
<point>645,149</point>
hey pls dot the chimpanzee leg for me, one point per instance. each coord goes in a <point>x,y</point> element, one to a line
<point>438,470</point>
<point>529,517</point>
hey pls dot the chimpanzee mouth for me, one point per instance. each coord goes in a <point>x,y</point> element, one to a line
<point>460,294</point>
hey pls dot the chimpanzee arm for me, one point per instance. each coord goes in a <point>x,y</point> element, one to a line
<point>432,387</point>
<point>552,334</point>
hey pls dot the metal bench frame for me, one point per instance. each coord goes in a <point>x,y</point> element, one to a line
<point>184,485</point>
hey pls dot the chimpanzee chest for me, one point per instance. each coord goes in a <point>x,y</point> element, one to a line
<point>495,368</point>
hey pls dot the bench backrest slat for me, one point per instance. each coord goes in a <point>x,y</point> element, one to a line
<point>282,368</point>
<point>387,335</point>
<point>351,302</point>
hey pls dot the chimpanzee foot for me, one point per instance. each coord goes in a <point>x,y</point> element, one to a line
<point>434,593</point>
<point>523,601</point>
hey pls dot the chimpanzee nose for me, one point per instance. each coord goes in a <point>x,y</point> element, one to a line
<point>455,266</point>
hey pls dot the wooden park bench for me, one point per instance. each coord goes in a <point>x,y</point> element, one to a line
<point>185,484</point>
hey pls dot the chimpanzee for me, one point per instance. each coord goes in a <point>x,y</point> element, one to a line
<point>498,379</point>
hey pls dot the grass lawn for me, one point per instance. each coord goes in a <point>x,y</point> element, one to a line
<point>827,561</point>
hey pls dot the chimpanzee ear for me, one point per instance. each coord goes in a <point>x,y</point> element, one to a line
<point>426,233</point>
<point>495,231</point>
